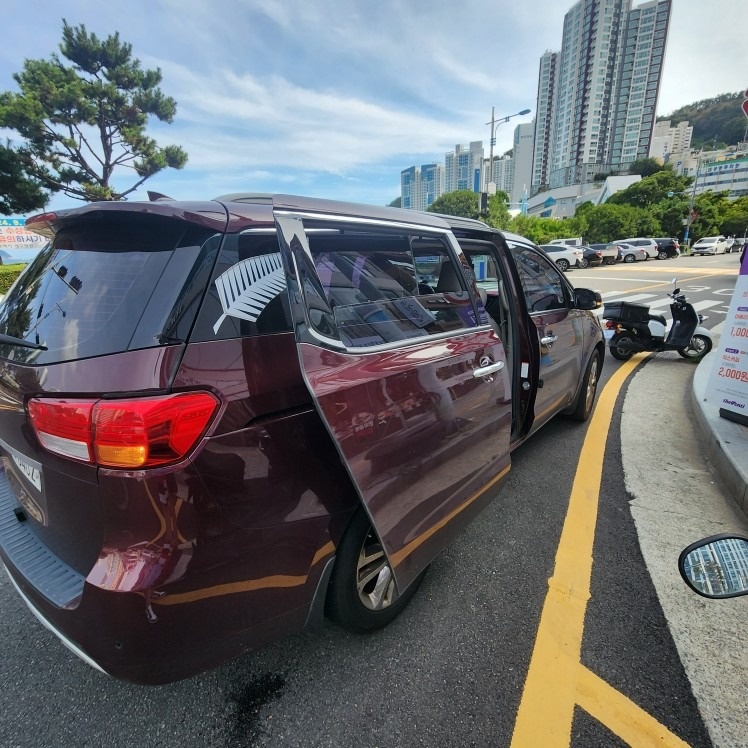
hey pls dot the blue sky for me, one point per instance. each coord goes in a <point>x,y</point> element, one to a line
<point>332,98</point>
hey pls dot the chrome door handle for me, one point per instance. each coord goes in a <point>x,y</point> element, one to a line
<point>548,340</point>
<point>484,371</point>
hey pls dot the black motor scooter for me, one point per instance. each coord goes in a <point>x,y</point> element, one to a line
<point>632,329</point>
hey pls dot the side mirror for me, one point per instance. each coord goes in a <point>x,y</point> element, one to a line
<point>716,566</point>
<point>586,298</point>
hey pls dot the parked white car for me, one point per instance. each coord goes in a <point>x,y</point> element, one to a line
<point>564,257</point>
<point>710,245</point>
<point>650,246</point>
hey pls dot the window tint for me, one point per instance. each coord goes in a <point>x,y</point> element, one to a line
<point>383,288</point>
<point>541,283</point>
<point>97,289</point>
<point>247,294</point>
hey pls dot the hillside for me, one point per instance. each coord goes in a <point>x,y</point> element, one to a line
<point>720,118</point>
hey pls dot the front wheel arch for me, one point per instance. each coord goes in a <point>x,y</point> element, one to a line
<point>344,602</point>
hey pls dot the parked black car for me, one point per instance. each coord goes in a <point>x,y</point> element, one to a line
<point>668,246</point>
<point>608,252</point>
<point>591,257</point>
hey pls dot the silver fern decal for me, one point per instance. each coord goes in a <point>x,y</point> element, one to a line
<point>246,288</point>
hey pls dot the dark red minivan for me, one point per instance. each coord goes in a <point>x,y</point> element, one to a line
<point>221,420</point>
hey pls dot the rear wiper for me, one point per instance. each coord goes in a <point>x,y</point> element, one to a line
<point>21,342</point>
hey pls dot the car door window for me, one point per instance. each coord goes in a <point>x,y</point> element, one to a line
<point>541,283</point>
<point>383,288</point>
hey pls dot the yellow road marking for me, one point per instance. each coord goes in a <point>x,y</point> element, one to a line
<point>621,715</point>
<point>556,680</point>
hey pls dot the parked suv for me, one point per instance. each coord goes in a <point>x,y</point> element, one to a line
<point>564,257</point>
<point>668,247</point>
<point>223,419</point>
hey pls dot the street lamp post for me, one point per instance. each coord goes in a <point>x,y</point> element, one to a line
<point>494,124</point>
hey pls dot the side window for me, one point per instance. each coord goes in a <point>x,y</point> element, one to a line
<point>541,282</point>
<point>385,287</point>
<point>247,293</point>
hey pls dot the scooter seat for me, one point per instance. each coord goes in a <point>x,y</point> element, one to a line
<point>658,318</point>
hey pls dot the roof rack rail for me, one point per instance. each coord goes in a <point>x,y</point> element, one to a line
<point>247,197</point>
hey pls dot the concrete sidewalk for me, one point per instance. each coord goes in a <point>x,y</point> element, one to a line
<point>678,482</point>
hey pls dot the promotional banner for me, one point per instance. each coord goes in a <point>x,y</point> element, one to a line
<point>17,243</point>
<point>728,384</point>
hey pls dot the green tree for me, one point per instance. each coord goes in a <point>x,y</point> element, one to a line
<point>713,209</point>
<point>19,193</point>
<point>650,190</point>
<point>608,222</point>
<point>463,203</point>
<point>498,210</point>
<point>82,122</point>
<point>396,203</point>
<point>645,167</point>
<point>736,218</point>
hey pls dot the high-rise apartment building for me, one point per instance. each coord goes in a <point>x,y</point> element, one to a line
<point>503,174</point>
<point>420,186</point>
<point>523,156</point>
<point>667,141</point>
<point>639,74</point>
<point>463,167</point>
<point>597,95</point>
<point>547,87</point>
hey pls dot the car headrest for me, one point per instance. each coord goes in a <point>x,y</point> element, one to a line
<point>448,278</point>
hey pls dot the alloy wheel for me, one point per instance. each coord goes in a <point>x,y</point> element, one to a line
<point>374,580</point>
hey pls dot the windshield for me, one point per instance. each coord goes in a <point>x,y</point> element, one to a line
<point>91,290</point>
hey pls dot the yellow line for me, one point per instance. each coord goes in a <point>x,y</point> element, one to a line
<point>632,724</point>
<point>546,711</point>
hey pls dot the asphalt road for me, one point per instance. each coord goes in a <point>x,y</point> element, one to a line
<point>452,670</point>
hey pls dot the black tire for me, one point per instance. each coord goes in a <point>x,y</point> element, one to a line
<point>562,265</point>
<point>629,258</point>
<point>610,260</point>
<point>699,346</point>
<point>588,390</point>
<point>583,264</point>
<point>344,603</point>
<point>662,255</point>
<point>620,347</point>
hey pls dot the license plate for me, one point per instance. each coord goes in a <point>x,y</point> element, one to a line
<point>609,333</point>
<point>26,480</point>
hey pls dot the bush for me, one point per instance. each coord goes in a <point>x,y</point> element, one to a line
<point>8,274</point>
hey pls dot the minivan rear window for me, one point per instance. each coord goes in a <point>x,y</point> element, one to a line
<point>106,286</point>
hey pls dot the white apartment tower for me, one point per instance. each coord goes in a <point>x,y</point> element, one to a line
<point>421,185</point>
<point>597,95</point>
<point>523,158</point>
<point>463,167</point>
<point>503,173</point>
<point>643,52</point>
<point>668,141</point>
<point>547,87</point>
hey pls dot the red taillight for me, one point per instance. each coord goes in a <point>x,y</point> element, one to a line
<point>610,324</point>
<point>63,426</point>
<point>123,433</point>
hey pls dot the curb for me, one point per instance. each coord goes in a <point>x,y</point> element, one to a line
<point>726,441</point>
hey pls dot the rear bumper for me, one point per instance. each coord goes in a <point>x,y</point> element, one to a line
<point>154,639</point>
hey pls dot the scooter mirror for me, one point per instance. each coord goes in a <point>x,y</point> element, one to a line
<point>716,566</point>
<point>673,280</point>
